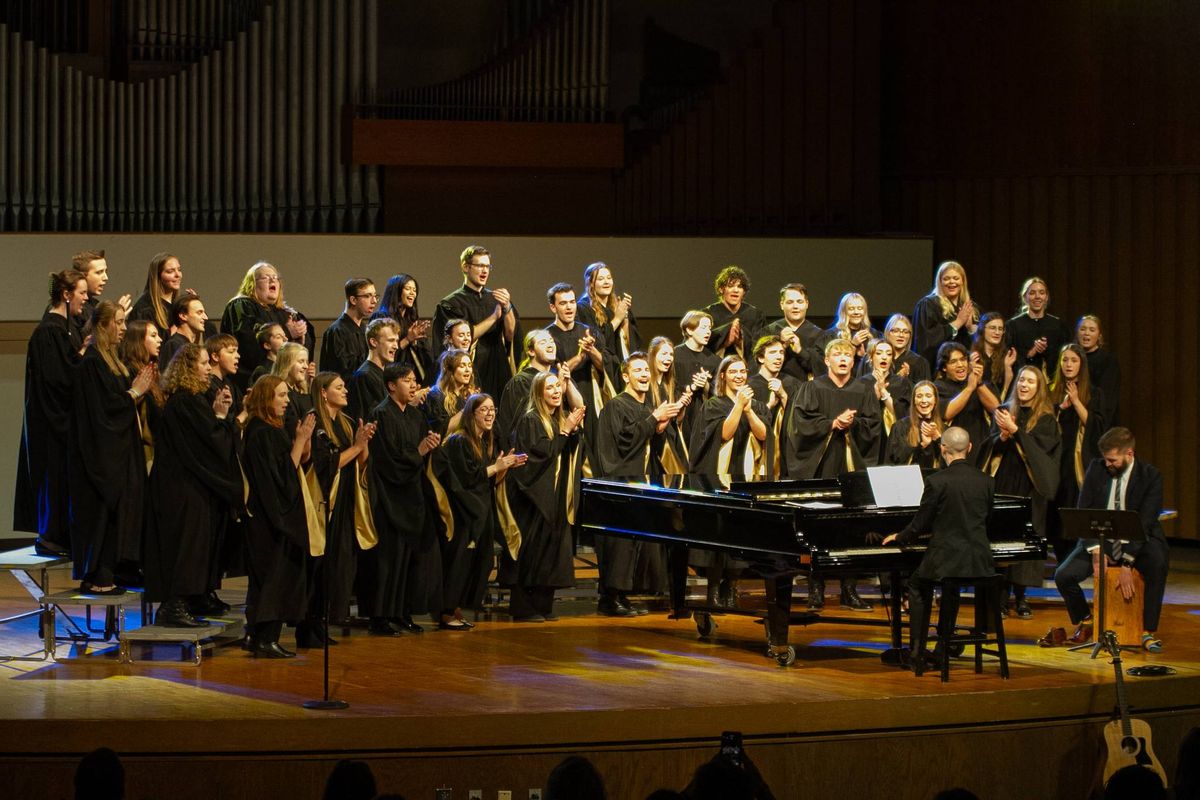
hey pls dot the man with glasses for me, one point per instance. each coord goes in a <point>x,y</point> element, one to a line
<point>495,324</point>
<point>344,344</point>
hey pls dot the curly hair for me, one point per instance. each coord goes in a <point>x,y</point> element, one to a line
<point>183,370</point>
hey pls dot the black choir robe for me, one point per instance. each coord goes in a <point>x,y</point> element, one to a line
<point>79,324</point>
<point>494,356</point>
<point>513,405</point>
<point>773,447</point>
<point>144,307</point>
<point>1080,446</point>
<point>299,404</point>
<point>366,390</point>
<point>107,469</point>
<point>900,389</point>
<point>1023,331</point>
<point>741,455</point>
<point>900,452</point>
<point>618,343</point>
<point>753,321</point>
<point>419,355</point>
<point>688,362</point>
<point>401,574</point>
<point>216,384</point>
<point>437,416</point>
<point>194,488</point>
<point>277,536</point>
<point>1026,465</point>
<point>814,448</point>
<point>347,535</point>
<point>241,316</point>
<point>542,495</point>
<point>343,346</point>
<point>467,547</point>
<point>170,346</point>
<point>1104,372</point>
<point>591,381</point>
<point>41,504</point>
<point>973,418</point>
<point>810,361</point>
<point>624,449</point>
<point>918,367</point>
<point>931,329</point>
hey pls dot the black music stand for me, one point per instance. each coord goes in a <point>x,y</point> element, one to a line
<point>1105,526</point>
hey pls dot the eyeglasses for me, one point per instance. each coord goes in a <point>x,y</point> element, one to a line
<point>487,412</point>
<point>372,295</point>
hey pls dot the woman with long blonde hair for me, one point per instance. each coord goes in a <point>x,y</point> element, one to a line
<point>542,496</point>
<point>455,383</point>
<point>1037,334</point>
<point>163,283</point>
<point>946,314</point>
<point>106,464</point>
<point>1023,454</point>
<point>852,322</point>
<point>293,368</point>
<point>915,439</point>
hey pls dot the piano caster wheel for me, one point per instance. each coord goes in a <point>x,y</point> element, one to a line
<point>784,657</point>
<point>956,650</point>
<point>705,624</point>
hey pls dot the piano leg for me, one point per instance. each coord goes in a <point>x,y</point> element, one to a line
<point>677,571</point>
<point>894,656</point>
<point>779,616</point>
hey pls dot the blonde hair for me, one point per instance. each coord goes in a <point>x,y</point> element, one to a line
<point>531,339</point>
<point>104,340</point>
<point>838,344</point>
<point>287,357</point>
<point>246,289</point>
<point>537,403</point>
<point>842,325</point>
<point>949,309</point>
<point>154,290</point>
<point>1025,287</point>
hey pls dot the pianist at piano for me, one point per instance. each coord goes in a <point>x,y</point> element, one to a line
<point>954,507</point>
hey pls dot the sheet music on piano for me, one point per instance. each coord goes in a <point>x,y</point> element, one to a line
<point>896,487</point>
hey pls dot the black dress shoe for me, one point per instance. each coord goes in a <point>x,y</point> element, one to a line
<point>248,643</point>
<point>272,650</point>
<point>44,547</point>
<point>381,627</point>
<point>175,615</point>
<point>611,607</point>
<point>852,601</point>
<point>407,625</point>
<point>313,634</point>
<point>637,608</point>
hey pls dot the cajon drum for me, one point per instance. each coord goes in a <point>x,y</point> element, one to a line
<point>1122,617</point>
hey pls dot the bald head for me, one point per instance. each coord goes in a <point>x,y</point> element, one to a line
<point>956,443</point>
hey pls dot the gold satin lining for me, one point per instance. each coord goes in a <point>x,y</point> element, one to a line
<point>572,499</point>
<point>146,434</point>
<point>1079,470</point>
<point>889,419</point>
<point>670,461</point>
<point>508,523</point>
<point>776,430</point>
<point>314,502</point>
<point>364,522</point>
<point>442,500</point>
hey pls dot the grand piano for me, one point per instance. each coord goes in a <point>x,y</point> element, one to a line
<point>782,530</point>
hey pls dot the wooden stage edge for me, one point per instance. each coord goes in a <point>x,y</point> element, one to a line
<point>645,699</point>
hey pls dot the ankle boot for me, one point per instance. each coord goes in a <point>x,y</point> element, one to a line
<point>851,600</point>
<point>816,593</point>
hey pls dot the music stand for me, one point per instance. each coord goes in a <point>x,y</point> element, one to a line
<point>1105,526</point>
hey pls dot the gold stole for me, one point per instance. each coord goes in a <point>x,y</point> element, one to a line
<point>314,503</point>
<point>364,521</point>
<point>671,462</point>
<point>572,499</point>
<point>889,419</point>
<point>144,430</point>
<point>776,430</point>
<point>440,498</point>
<point>508,523</point>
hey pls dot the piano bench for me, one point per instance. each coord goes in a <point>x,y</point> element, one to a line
<point>989,594</point>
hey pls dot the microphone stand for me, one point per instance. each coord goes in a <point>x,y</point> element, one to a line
<point>326,703</point>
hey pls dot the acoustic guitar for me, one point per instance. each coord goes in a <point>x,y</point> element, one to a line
<point>1127,740</point>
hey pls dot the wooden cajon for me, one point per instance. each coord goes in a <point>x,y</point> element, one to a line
<point>1122,617</point>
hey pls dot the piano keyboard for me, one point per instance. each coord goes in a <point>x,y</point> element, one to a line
<point>999,550</point>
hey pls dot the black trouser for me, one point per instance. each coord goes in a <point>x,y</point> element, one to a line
<point>1152,562</point>
<point>920,601</point>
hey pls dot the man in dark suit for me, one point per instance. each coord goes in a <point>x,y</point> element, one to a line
<point>1119,481</point>
<point>955,506</point>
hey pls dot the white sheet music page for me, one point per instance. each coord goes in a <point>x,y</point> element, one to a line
<point>896,486</point>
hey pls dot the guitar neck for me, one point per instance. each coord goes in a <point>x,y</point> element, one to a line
<point>1122,704</point>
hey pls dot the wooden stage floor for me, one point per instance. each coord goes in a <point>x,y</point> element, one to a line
<point>646,699</point>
